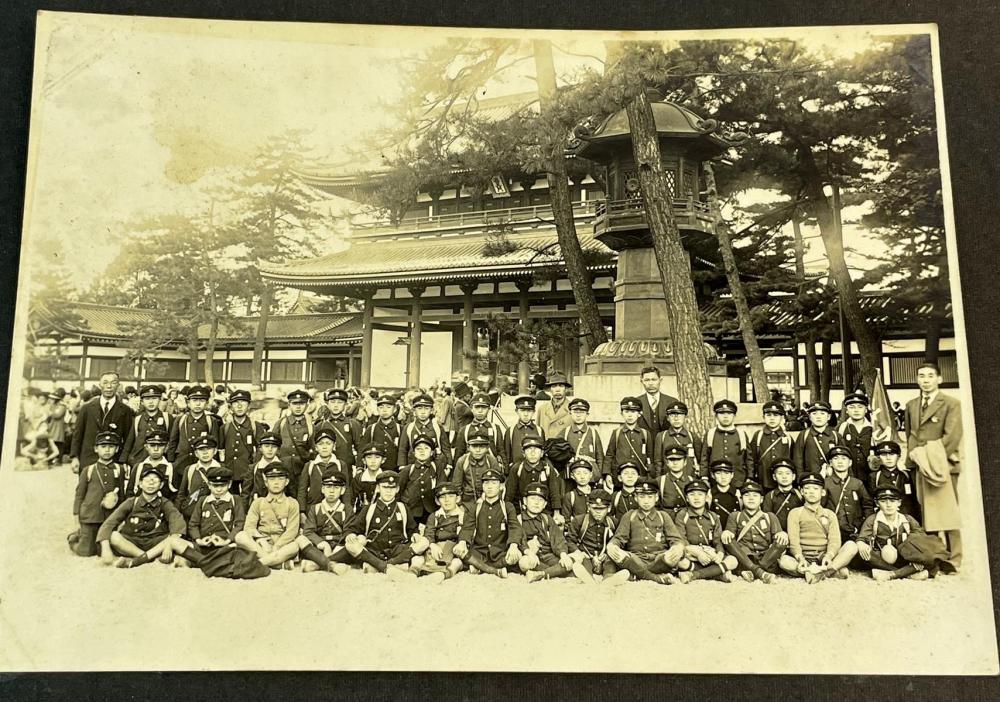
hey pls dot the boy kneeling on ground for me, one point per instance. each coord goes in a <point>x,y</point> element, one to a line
<point>542,541</point>
<point>814,545</point>
<point>881,535</point>
<point>322,540</point>
<point>272,523</point>
<point>383,537</point>
<point>754,537</point>
<point>647,544</point>
<point>150,526</point>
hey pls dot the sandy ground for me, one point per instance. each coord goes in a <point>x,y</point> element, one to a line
<point>61,612</point>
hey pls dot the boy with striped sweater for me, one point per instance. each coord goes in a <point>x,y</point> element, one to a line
<point>815,550</point>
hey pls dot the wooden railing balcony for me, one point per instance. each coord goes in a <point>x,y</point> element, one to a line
<point>613,216</point>
<point>520,217</point>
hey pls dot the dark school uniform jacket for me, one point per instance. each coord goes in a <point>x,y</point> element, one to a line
<point>780,503</point>
<point>574,502</point>
<point>753,532</point>
<point>442,454</point>
<point>512,440</point>
<point>446,527</point>
<point>142,424</point>
<point>623,501</point>
<point>877,532</point>
<point>724,503</point>
<point>766,448</point>
<point>384,435</point>
<point>223,517</point>
<point>349,433</point>
<point>859,441</point>
<point>296,444</point>
<point>362,489</point>
<point>492,431</point>
<point>903,482</point>
<point>194,485</point>
<point>850,501</point>
<point>703,529</point>
<point>94,482</point>
<point>668,439</point>
<point>136,516</point>
<point>309,490</point>
<point>416,487</point>
<point>522,474</point>
<point>672,488</point>
<point>326,523</point>
<point>132,480</point>
<point>630,444</point>
<point>468,475</point>
<point>492,528</point>
<point>729,444</point>
<point>183,434</point>
<point>585,441</point>
<point>385,525</point>
<point>811,448</point>
<point>543,530</point>
<point>255,486</point>
<point>239,446</point>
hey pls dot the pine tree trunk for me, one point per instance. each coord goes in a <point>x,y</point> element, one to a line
<point>256,367</point>
<point>812,367</point>
<point>754,357</point>
<point>210,353</point>
<point>868,344</point>
<point>192,343</point>
<point>693,383</point>
<point>562,210</point>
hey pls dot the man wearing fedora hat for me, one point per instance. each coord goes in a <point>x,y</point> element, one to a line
<point>554,417</point>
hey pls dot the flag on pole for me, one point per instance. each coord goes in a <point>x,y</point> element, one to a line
<point>883,418</point>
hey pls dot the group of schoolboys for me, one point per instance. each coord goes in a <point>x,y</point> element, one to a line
<point>415,500</point>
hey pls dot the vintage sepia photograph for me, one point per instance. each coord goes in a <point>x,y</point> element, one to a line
<point>512,350</point>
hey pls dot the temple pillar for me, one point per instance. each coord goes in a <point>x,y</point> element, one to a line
<point>416,327</point>
<point>366,342</point>
<point>523,368</point>
<point>468,332</point>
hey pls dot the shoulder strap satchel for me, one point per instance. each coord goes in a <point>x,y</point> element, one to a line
<point>750,522</point>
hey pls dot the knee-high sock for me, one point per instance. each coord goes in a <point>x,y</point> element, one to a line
<point>313,553</point>
<point>475,560</point>
<point>712,571</point>
<point>637,568</point>
<point>371,559</point>
<point>770,557</point>
<point>743,558</point>
<point>556,571</point>
<point>904,572</point>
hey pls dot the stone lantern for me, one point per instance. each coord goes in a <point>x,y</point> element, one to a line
<point>642,334</point>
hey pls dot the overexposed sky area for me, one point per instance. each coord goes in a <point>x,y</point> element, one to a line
<point>130,115</point>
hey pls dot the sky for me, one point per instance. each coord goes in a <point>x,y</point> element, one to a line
<point>132,115</point>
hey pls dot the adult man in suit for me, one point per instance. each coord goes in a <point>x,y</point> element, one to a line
<point>936,416</point>
<point>106,412</point>
<point>654,403</point>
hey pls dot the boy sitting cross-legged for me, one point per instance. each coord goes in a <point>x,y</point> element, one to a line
<point>814,545</point>
<point>142,528</point>
<point>272,523</point>
<point>587,537</point>
<point>880,537</point>
<point>216,519</point>
<point>542,541</point>
<point>754,537</point>
<point>322,540</point>
<point>443,529</point>
<point>704,557</point>
<point>647,544</point>
<point>489,542</point>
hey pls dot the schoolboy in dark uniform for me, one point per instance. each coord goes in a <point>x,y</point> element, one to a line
<point>216,520</point>
<point>583,438</point>
<point>256,485</point>
<point>647,543</point>
<point>296,430</point>
<point>383,431</point>
<point>384,536</point>
<point>676,474</point>
<point>150,419</point>
<point>754,537</point>
<point>470,467</point>
<point>880,537</point>
<point>768,446</point>
<point>725,442</point>
<point>443,531</point>
<point>424,424</point>
<point>99,490</point>
<point>704,557</point>
<point>630,443</point>
<point>846,496</point>
<point>418,480</point>
<point>542,543</point>
<point>489,543</point>
<point>724,497</point>
<point>624,499</point>
<point>310,488</point>
<point>809,452</point>
<point>588,536</point>
<point>890,474</point>
<point>676,435</point>
<point>347,430</point>
<point>241,437</point>
<point>525,426</point>
<point>534,468</point>
<point>194,483</point>
<point>321,543</point>
<point>574,501</point>
<point>142,528</point>
<point>480,425</point>
<point>194,424</point>
<point>156,445</point>
<point>856,433</point>
<point>364,484</point>
<point>785,496</point>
